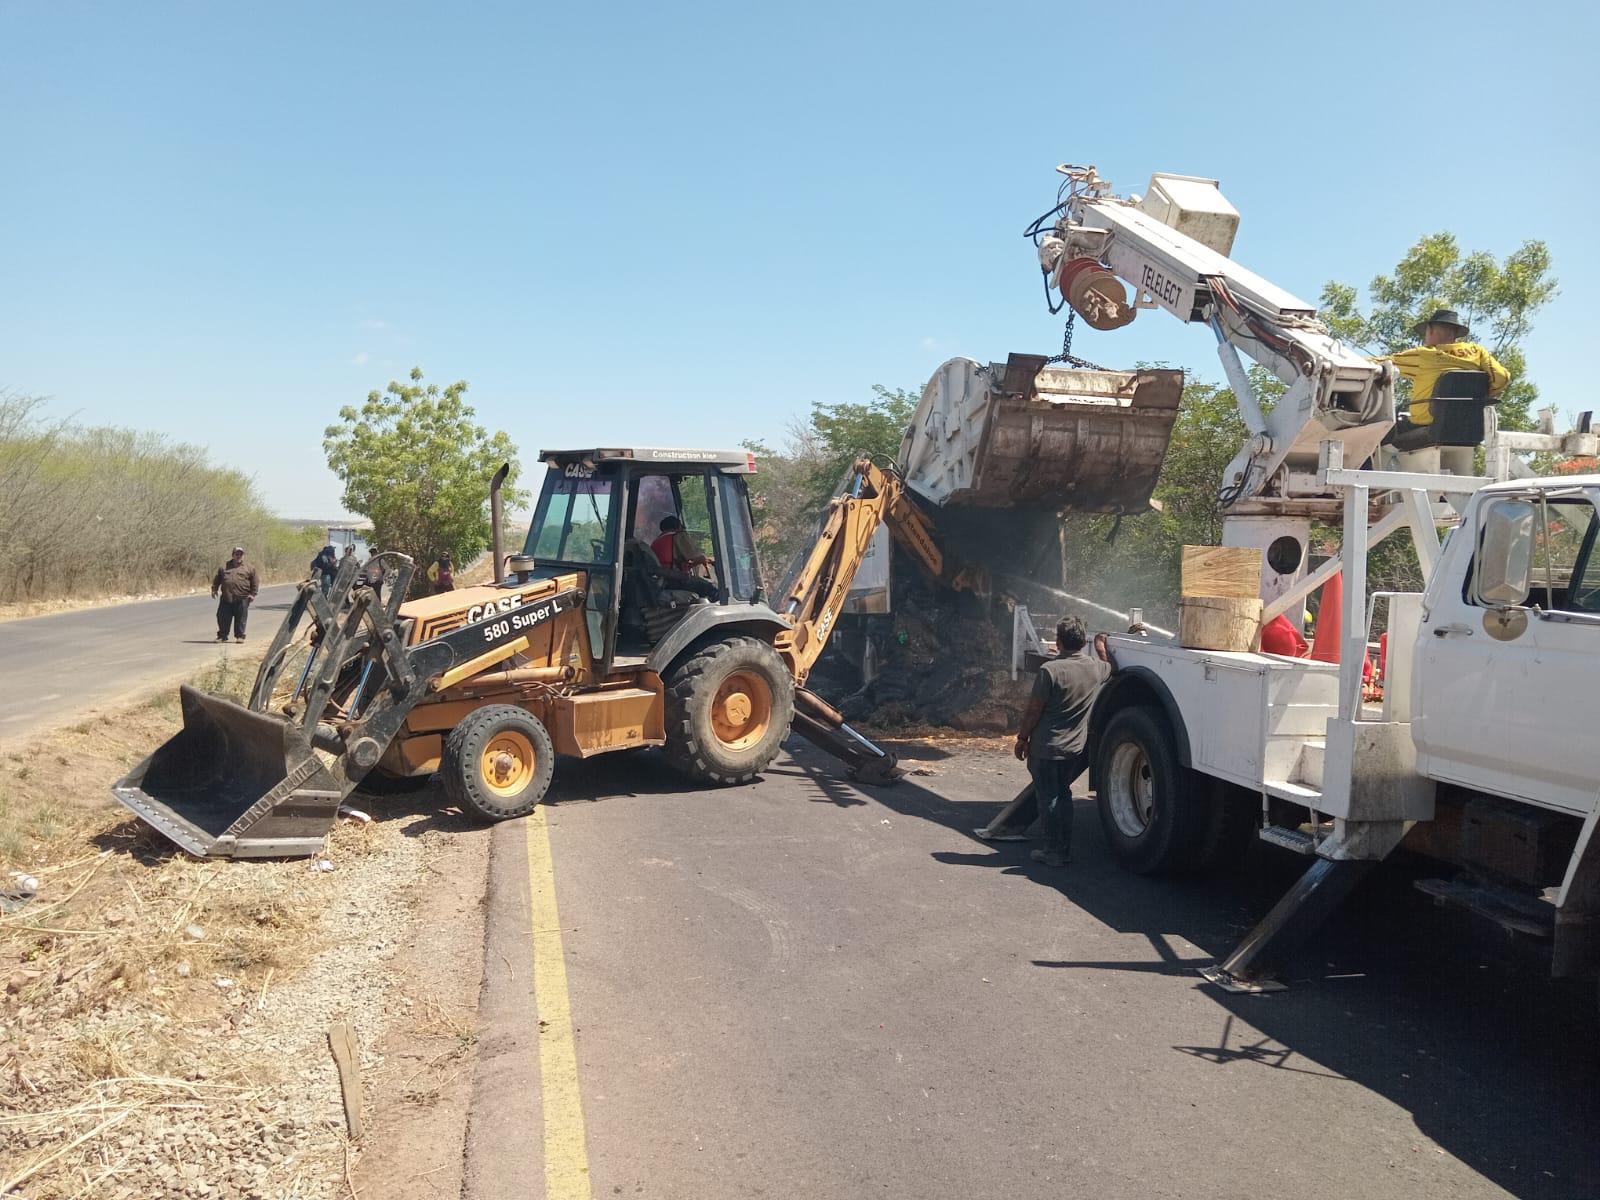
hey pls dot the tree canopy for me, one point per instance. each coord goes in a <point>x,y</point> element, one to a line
<point>417,465</point>
<point>1497,298</point>
<point>793,483</point>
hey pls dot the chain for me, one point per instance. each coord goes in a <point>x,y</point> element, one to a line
<point>1066,355</point>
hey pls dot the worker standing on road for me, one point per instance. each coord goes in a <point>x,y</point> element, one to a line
<point>325,566</point>
<point>234,586</point>
<point>1444,348</point>
<point>1055,730</point>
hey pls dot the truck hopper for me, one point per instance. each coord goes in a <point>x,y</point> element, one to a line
<point>997,452</point>
<point>1026,434</point>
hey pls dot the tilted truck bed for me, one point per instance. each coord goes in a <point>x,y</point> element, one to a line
<point>1024,435</point>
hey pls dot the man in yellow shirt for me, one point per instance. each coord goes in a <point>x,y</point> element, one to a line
<point>1444,348</point>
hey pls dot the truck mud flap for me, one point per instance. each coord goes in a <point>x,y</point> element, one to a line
<point>234,783</point>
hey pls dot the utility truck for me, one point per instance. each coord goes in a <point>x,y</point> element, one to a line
<point>1478,753</point>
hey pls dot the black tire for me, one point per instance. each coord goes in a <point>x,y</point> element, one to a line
<point>378,782</point>
<point>1233,817</point>
<point>497,737</point>
<point>1153,815</point>
<point>712,744</point>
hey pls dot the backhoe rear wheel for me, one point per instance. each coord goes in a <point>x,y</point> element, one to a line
<point>729,705</point>
<point>497,762</point>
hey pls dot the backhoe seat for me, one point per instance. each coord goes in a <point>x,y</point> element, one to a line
<point>654,598</point>
<point>1458,401</point>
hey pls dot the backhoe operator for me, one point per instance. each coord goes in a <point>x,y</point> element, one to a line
<point>675,548</point>
<point>1444,348</point>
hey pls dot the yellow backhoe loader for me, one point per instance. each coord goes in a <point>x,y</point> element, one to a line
<point>586,643</point>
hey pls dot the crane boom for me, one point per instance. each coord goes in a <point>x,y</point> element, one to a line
<point>1172,249</point>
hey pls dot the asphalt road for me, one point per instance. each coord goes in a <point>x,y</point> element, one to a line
<point>799,988</point>
<point>57,668</point>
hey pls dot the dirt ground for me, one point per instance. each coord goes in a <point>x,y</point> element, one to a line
<point>164,1021</point>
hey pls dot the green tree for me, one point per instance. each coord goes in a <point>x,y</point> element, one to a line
<point>793,484</point>
<point>1497,298</point>
<point>417,465</point>
<point>1133,560</point>
<point>841,432</point>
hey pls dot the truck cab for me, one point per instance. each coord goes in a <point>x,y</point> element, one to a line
<point>1509,646</point>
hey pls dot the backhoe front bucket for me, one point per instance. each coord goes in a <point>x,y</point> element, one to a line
<point>234,783</point>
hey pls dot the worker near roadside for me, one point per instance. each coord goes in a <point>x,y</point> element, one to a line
<point>1444,348</point>
<point>372,574</point>
<point>1055,728</point>
<point>675,547</point>
<point>234,586</point>
<point>442,574</point>
<point>324,567</point>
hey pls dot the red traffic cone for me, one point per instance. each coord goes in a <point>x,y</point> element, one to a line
<point>1325,645</point>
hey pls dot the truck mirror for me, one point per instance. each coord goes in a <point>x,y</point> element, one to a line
<point>1502,572</point>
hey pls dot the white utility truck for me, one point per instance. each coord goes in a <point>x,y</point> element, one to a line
<point>1478,753</point>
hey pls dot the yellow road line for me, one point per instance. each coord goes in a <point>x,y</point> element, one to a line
<point>566,1159</point>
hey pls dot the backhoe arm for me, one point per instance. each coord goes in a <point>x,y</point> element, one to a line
<point>814,595</point>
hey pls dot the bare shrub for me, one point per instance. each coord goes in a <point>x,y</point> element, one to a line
<point>102,511</point>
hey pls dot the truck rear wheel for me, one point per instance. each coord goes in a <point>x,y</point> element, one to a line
<point>497,762</point>
<point>1154,820</point>
<point>729,706</point>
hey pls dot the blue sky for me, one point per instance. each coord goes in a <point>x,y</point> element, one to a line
<point>685,223</point>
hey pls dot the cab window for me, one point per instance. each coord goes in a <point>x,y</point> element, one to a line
<point>1581,526</point>
<point>1563,531</point>
<point>572,521</point>
<point>1565,568</point>
<point>653,500</point>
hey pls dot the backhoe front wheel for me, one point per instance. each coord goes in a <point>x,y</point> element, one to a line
<point>497,762</point>
<point>729,706</point>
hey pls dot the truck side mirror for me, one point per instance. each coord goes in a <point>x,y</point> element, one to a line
<point>1502,570</point>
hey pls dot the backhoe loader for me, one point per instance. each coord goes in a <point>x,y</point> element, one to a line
<point>584,644</point>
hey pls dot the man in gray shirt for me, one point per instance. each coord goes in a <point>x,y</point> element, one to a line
<point>1055,728</point>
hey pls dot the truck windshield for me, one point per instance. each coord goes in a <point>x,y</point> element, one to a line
<point>573,520</point>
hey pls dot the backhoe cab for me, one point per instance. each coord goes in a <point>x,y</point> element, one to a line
<point>585,644</point>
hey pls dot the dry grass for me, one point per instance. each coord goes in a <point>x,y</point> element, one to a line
<point>121,976</point>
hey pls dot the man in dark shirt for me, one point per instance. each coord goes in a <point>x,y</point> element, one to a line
<point>234,585</point>
<point>1055,728</point>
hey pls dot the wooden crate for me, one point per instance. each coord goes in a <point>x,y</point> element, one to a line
<point>1229,572</point>
<point>1219,623</point>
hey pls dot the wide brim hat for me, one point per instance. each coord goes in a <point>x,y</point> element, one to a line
<point>1442,316</point>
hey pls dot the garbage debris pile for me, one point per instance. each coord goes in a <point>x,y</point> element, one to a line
<point>943,662</point>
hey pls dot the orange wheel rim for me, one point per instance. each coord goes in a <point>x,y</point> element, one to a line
<point>507,763</point>
<point>741,711</point>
